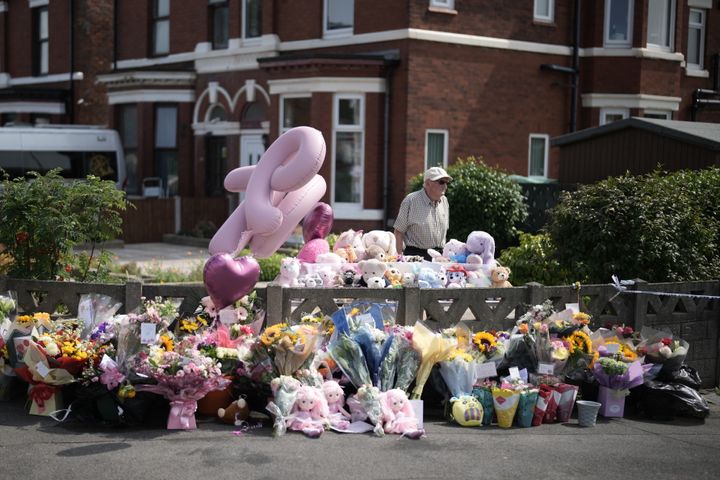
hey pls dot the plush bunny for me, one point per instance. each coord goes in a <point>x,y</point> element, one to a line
<point>383,239</point>
<point>349,246</point>
<point>481,246</point>
<point>310,413</point>
<point>398,415</point>
<point>335,397</point>
<point>289,273</point>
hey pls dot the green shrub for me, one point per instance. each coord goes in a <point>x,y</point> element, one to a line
<point>534,261</point>
<point>43,219</point>
<point>658,227</point>
<point>481,198</point>
<point>175,275</point>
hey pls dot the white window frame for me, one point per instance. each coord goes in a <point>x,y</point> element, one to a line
<point>668,36</point>
<point>546,153</point>
<point>356,206</point>
<point>667,114</point>
<point>701,48</point>
<point>281,127</point>
<point>550,18</point>
<point>604,112</point>
<point>444,4</point>
<point>446,137</point>
<point>336,32</point>
<point>610,43</point>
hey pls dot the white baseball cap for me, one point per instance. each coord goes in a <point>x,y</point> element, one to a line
<point>436,173</point>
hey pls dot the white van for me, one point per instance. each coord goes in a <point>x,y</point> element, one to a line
<point>78,150</point>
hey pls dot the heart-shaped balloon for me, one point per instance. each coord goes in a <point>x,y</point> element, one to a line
<point>318,222</point>
<point>228,279</point>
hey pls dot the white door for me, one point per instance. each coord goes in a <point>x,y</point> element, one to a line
<point>251,149</point>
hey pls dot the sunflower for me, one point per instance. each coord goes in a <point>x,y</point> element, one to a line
<point>485,341</point>
<point>628,355</point>
<point>188,325</point>
<point>580,341</point>
<point>167,343</point>
<point>272,334</point>
<point>24,319</point>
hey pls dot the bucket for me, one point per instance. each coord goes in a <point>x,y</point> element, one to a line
<point>587,412</point>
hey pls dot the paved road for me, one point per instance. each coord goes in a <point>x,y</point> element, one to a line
<point>38,448</point>
<point>160,255</point>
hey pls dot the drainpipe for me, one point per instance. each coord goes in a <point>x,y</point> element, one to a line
<point>115,35</point>
<point>390,68</point>
<point>576,67</point>
<point>71,103</point>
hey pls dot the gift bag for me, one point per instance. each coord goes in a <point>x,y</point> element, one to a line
<point>526,408</point>
<point>568,393</point>
<point>552,404</point>
<point>485,397</point>
<point>544,395</point>
<point>505,403</point>
<point>613,402</point>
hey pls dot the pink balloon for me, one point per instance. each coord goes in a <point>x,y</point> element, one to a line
<point>318,222</point>
<point>280,190</point>
<point>228,279</point>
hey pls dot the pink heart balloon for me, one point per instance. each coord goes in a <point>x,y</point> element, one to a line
<point>318,222</point>
<point>228,279</point>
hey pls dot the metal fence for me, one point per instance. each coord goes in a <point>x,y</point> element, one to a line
<point>689,316</point>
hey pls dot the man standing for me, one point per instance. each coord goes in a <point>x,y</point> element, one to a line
<point>424,216</point>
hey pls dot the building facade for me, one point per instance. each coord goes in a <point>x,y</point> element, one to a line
<point>198,88</point>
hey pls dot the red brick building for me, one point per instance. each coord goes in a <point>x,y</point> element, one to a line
<point>198,88</point>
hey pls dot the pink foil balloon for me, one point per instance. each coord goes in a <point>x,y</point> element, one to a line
<point>228,279</point>
<point>318,222</point>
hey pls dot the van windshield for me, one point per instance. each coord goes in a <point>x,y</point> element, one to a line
<point>73,165</point>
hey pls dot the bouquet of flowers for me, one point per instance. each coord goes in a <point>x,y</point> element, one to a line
<point>551,350</point>
<point>45,381</point>
<point>615,379</point>
<point>433,348</point>
<point>95,309</point>
<point>182,377</point>
<point>285,390</point>
<point>290,347</point>
<point>659,347</point>
<point>460,371</point>
<point>400,361</point>
<point>365,405</point>
<point>489,346</point>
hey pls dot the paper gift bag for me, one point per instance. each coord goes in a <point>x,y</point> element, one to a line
<point>485,397</point>
<point>526,408</point>
<point>182,415</point>
<point>568,393</point>
<point>613,402</point>
<point>45,399</point>
<point>505,403</point>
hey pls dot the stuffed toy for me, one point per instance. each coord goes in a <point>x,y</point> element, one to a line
<point>373,273</point>
<point>477,278</point>
<point>335,397</point>
<point>376,252</point>
<point>349,275</point>
<point>330,258</point>
<point>309,413</point>
<point>328,276</point>
<point>311,280</point>
<point>467,411</point>
<point>428,278</point>
<point>383,239</point>
<point>453,251</point>
<point>456,276</point>
<point>481,246</point>
<point>499,277</point>
<point>349,246</point>
<point>394,277</point>
<point>409,280</point>
<point>235,413</point>
<point>309,252</point>
<point>398,415</point>
<point>289,272</point>
<point>442,277</point>
<point>412,258</point>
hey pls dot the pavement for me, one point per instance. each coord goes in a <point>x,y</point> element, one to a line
<point>38,447</point>
<point>160,255</point>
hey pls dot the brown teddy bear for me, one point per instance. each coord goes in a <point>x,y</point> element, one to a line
<point>376,252</point>
<point>499,277</point>
<point>235,413</point>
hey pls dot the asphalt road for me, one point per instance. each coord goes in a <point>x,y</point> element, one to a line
<point>39,448</point>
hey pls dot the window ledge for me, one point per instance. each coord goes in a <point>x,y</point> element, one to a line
<point>447,11</point>
<point>691,72</point>
<point>544,23</point>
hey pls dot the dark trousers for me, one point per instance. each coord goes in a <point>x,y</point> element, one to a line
<point>422,252</point>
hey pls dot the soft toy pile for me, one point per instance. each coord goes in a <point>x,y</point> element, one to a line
<point>370,260</point>
<point>355,371</point>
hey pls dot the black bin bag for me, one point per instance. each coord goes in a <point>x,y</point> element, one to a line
<point>665,401</point>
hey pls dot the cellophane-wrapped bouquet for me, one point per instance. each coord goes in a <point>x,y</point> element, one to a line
<point>400,361</point>
<point>182,376</point>
<point>662,348</point>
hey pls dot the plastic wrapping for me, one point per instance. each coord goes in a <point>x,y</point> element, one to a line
<point>95,309</point>
<point>665,401</point>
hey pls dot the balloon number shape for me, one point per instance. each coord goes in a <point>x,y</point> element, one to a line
<point>280,190</point>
